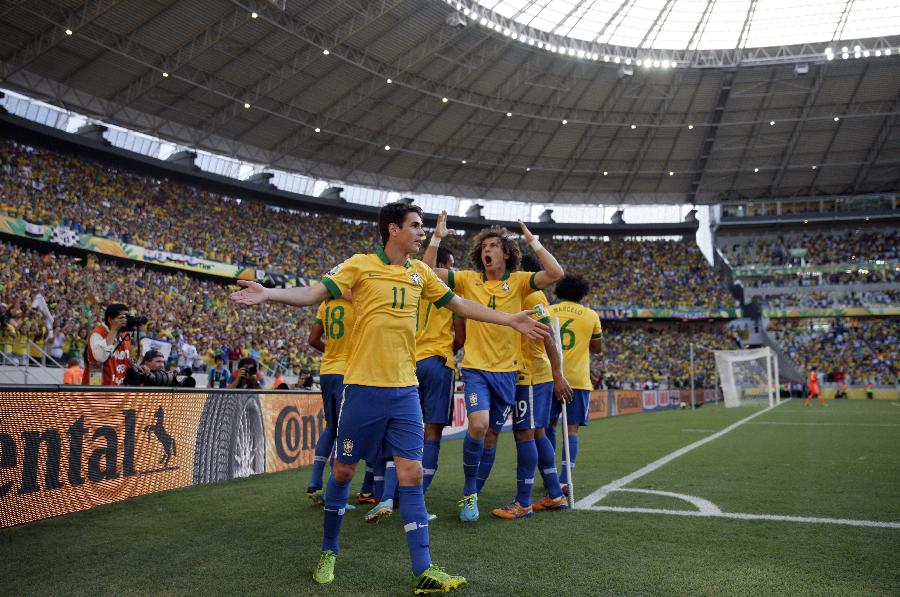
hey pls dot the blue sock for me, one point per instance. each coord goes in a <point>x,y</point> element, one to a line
<point>547,465</point>
<point>550,433</point>
<point>390,482</point>
<point>527,457</point>
<point>484,467</point>
<point>322,451</point>
<point>573,454</point>
<point>368,480</point>
<point>378,478</point>
<point>336,495</point>
<point>472,451</point>
<point>429,462</point>
<point>415,524</point>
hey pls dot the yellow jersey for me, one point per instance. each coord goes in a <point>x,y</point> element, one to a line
<point>336,318</point>
<point>434,333</point>
<point>491,347</point>
<point>534,365</point>
<point>385,298</point>
<point>578,325</point>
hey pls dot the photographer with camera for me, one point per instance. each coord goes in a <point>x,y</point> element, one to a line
<point>107,356</point>
<point>152,372</point>
<point>246,376</point>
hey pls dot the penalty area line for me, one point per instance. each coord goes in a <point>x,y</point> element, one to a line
<point>599,494</point>
<point>746,516</point>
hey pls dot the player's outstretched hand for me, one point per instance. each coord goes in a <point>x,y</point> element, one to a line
<point>527,326</point>
<point>440,230</point>
<point>253,293</point>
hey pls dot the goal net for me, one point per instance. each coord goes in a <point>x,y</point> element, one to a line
<point>748,376</point>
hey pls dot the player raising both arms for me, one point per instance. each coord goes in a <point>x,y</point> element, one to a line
<point>381,401</point>
<point>489,368</point>
<point>540,377</point>
<point>580,335</point>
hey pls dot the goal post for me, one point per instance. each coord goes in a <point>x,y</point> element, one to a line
<point>748,376</point>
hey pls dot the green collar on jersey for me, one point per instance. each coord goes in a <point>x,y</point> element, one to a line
<point>505,276</point>
<point>387,261</point>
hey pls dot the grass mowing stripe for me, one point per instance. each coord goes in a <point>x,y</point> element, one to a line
<point>746,516</point>
<point>599,494</point>
<point>826,424</point>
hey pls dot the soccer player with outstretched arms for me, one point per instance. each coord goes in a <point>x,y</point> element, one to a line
<point>381,400</point>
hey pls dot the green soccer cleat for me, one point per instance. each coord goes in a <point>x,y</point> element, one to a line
<point>324,572</point>
<point>316,496</point>
<point>382,510</point>
<point>435,580</point>
<point>468,508</point>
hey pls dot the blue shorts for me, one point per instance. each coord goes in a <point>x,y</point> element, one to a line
<point>533,406</point>
<point>492,391</point>
<point>435,390</point>
<point>577,412</point>
<point>332,390</point>
<point>379,421</point>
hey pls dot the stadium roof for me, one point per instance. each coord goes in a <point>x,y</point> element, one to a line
<point>419,96</point>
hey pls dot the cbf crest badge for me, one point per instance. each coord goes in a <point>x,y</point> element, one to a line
<point>333,271</point>
<point>416,279</point>
<point>473,399</point>
<point>348,447</point>
<point>505,287</point>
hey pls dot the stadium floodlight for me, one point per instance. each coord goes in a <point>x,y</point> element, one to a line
<point>564,121</point>
<point>326,52</point>
<point>165,75</point>
<point>671,173</point>
<point>605,173</point>
<point>387,147</point>
<point>756,169</point>
<point>463,162</point>
<point>509,114</point>
<point>253,15</point>
<point>617,60</point>
<point>748,376</point>
<point>528,169</point>
<point>633,126</point>
<point>771,123</point>
<point>690,127</point>
<point>444,100</point>
<point>837,118</point>
<point>246,105</point>
<point>318,130</point>
<point>68,31</point>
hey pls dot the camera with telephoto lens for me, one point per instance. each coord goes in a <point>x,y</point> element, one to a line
<point>133,322</point>
<point>183,379</point>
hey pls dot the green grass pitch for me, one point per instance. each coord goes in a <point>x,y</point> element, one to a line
<point>259,536</point>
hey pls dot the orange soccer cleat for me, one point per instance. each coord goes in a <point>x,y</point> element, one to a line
<point>513,511</point>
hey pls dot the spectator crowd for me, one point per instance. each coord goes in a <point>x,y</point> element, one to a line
<point>193,315</point>
<point>817,248</point>
<point>862,350</point>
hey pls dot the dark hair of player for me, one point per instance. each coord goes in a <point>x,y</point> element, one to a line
<point>510,247</point>
<point>572,288</point>
<point>394,213</point>
<point>530,263</point>
<point>443,256</point>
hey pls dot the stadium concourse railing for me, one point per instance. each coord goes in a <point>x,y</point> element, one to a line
<point>64,449</point>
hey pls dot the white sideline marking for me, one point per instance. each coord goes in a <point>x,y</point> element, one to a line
<point>744,516</point>
<point>826,424</point>
<point>698,430</point>
<point>704,506</point>
<point>601,493</point>
<point>894,404</point>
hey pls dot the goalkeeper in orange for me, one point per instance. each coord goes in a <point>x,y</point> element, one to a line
<point>814,390</point>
